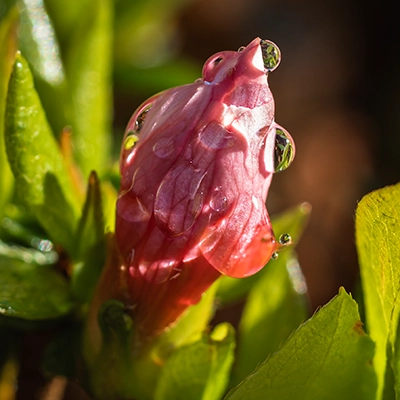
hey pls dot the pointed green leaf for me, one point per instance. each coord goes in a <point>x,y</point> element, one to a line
<point>41,177</point>
<point>377,237</point>
<point>199,371</point>
<point>293,222</point>
<point>32,292</point>
<point>39,45</point>
<point>89,72</point>
<point>275,307</point>
<point>8,48</point>
<point>90,243</point>
<point>329,357</point>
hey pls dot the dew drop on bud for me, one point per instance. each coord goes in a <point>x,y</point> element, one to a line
<point>130,140</point>
<point>141,118</point>
<point>285,239</point>
<point>284,149</point>
<point>271,55</point>
<point>241,48</point>
<point>275,255</point>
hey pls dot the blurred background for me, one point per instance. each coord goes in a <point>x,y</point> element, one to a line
<point>336,91</point>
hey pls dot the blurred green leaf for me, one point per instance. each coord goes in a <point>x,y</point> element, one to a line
<point>8,48</point>
<point>200,370</point>
<point>147,31</point>
<point>90,243</point>
<point>328,357</point>
<point>41,177</point>
<point>39,45</point>
<point>155,79</point>
<point>66,16</point>
<point>32,292</point>
<point>377,238</point>
<point>275,307</point>
<point>293,222</point>
<point>89,73</point>
<point>190,326</point>
<point>28,255</point>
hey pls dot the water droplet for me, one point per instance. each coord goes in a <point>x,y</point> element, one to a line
<point>218,200</point>
<point>284,149</point>
<point>271,55</point>
<point>164,147</point>
<point>274,255</point>
<point>285,239</point>
<point>241,48</point>
<point>141,118</point>
<point>130,140</point>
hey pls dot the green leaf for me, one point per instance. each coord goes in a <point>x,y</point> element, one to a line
<point>328,357</point>
<point>189,327</point>
<point>32,292</point>
<point>90,243</point>
<point>377,238</point>
<point>39,45</point>
<point>8,48</point>
<point>275,307</point>
<point>293,222</point>
<point>200,370</point>
<point>65,17</point>
<point>89,72</point>
<point>41,177</point>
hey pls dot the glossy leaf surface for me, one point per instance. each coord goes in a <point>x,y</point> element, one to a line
<point>329,357</point>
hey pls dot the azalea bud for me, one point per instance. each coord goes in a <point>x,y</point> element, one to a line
<point>196,166</point>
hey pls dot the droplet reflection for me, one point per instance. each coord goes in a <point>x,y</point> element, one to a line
<point>271,55</point>
<point>284,149</point>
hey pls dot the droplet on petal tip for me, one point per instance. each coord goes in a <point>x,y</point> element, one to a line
<point>271,55</point>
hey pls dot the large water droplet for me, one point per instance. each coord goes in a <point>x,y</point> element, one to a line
<point>141,118</point>
<point>271,55</point>
<point>218,200</point>
<point>284,149</point>
<point>285,239</point>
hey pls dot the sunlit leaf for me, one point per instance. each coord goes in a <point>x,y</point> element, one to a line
<point>378,245</point>
<point>190,326</point>
<point>275,307</point>
<point>89,73</point>
<point>66,16</point>
<point>90,243</point>
<point>8,48</point>
<point>39,45</point>
<point>199,371</point>
<point>329,357</point>
<point>41,177</point>
<point>32,292</point>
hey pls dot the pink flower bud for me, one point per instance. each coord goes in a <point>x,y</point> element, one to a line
<point>196,166</point>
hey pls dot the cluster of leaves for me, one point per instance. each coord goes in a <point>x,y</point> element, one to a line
<point>55,135</point>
